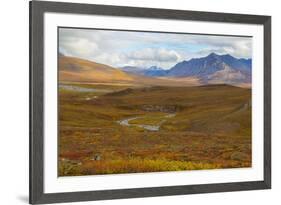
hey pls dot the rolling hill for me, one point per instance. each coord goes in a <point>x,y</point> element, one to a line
<point>73,69</point>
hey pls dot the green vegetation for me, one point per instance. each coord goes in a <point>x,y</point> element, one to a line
<point>204,127</point>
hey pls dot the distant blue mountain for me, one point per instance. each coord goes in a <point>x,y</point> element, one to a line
<point>219,68</point>
<point>155,71</point>
<point>152,71</point>
<point>238,64</point>
<point>133,69</point>
<point>210,64</point>
<point>212,68</point>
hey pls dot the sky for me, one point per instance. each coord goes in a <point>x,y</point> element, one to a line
<point>145,49</point>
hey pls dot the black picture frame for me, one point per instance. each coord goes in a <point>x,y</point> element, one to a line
<point>37,10</point>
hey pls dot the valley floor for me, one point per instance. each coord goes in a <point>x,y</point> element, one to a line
<point>111,129</point>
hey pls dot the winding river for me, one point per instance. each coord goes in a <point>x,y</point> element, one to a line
<point>126,122</point>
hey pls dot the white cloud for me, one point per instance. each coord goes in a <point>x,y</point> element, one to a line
<point>154,54</point>
<point>118,48</point>
<point>79,48</point>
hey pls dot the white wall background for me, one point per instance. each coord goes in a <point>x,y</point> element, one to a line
<point>14,101</point>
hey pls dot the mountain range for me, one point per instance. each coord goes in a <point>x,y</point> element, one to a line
<point>211,69</point>
<point>215,68</point>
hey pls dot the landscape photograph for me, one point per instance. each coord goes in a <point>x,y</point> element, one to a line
<point>138,101</point>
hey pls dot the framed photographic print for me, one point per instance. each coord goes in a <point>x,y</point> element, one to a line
<point>138,102</point>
